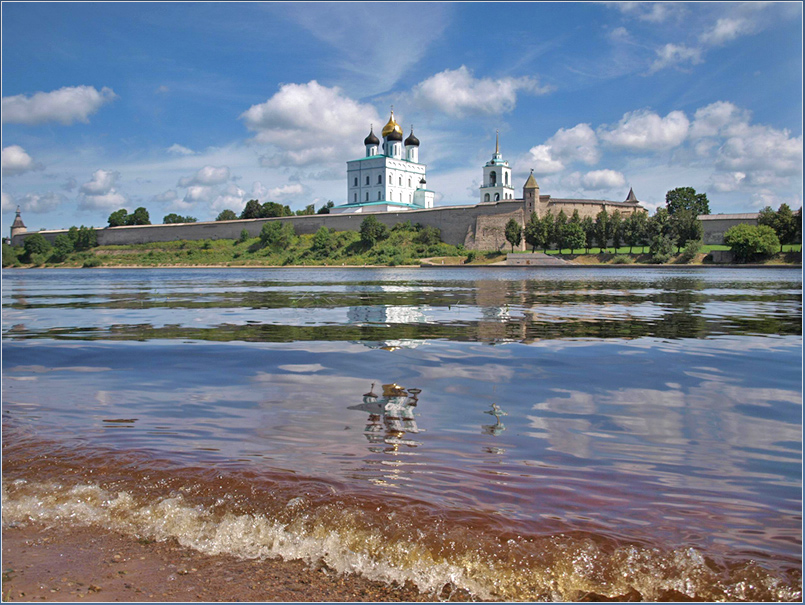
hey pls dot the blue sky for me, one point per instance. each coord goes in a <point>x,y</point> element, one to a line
<point>193,108</point>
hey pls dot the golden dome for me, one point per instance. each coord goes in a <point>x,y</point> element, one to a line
<point>392,127</point>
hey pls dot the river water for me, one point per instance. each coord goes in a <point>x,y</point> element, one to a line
<point>521,434</point>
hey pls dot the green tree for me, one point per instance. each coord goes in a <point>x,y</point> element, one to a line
<point>784,222</point>
<point>751,241</point>
<point>276,234</point>
<point>686,198</point>
<point>273,209</point>
<point>588,225</point>
<point>251,210</point>
<point>83,238</point>
<point>173,219</point>
<point>226,215</point>
<point>244,236</point>
<point>548,231</point>
<point>533,232</point>
<point>10,255</point>
<point>119,218</point>
<point>326,208</point>
<point>62,247</point>
<point>322,241</point>
<point>428,236</point>
<point>35,244</point>
<point>573,236</point>
<point>602,229</point>
<point>514,233</point>
<point>139,217</point>
<point>616,229</point>
<point>635,229</point>
<point>685,227</point>
<point>661,248</point>
<point>309,209</point>
<point>559,224</point>
<point>372,230</point>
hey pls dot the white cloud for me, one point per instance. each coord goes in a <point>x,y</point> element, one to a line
<point>70,184</point>
<point>602,179</point>
<point>286,191</point>
<point>729,181</point>
<point>100,192</point>
<point>761,148</point>
<point>726,29</point>
<point>177,149</point>
<point>7,202</point>
<point>167,197</point>
<point>304,157</point>
<point>674,55</point>
<point>714,119</point>
<point>305,118</point>
<point>16,161</point>
<point>458,93</point>
<point>577,143</point>
<point>209,175</point>
<point>653,12</point>
<point>231,197</point>
<point>542,161</point>
<point>646,131</point>
<point>66,105</point>
<point>33,202</point>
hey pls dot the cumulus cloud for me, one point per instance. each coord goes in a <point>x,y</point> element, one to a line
<point>177,149</point>
<point>726,29</point>
<point>302,119</point>
<point>38,204</point>
<point>756,149</point>
<point>602,179</point>
<point>231,197</point>
<point>458,93</point>
<point>675,55</point>
<point>577,143</point>
<point>16,161</point>
<point>542,161</point>
<point>715,119</point>
<point>7,202</point>
<point>653,12</point>
<point>100,193</point>
<point>646,131</point>
<point>207,176</point>
<point>286,191</point>
<point>167,197</point>
<point>729,181</point>
<point>66,105</point>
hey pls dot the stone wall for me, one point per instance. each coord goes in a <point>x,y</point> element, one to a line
<point>475,227</point>
<point>715,225</point>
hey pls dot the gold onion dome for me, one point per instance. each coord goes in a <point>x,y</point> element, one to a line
<point>392,130</point>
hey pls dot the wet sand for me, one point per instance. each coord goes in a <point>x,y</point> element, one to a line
<point>60,564</point>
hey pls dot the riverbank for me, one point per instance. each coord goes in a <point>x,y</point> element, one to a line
<point>62,563</point>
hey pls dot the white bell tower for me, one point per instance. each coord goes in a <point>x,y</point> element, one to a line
<point>497,184</point>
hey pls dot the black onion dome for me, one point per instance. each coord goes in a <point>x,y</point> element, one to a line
<point>412,141</point>
<point>394,135</point>
<point>371,139</point>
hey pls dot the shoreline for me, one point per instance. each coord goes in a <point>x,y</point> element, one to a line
<point>64,564</point>
<point>568,265</point>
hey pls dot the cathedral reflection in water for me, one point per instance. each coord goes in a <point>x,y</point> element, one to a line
<point>391,415</point>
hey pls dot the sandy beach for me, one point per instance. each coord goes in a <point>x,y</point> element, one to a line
<point>59,564</point>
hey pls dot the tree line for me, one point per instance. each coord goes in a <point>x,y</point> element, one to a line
<point>675,225</point>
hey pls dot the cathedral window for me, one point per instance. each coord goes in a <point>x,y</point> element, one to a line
<point>506,177</point>
<point>493,178</point>
<point>355,198</point>
<point>356,181</point>
<point>378,195</point>
<point>379,179</point>
<point>409,183</point>
<point>367,196</point>
<point>497,197</point>
<point>400,181</point>
<point>486,197</point>
<point>367,179</point>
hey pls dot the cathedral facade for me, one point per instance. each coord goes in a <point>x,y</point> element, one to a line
<point>389,178</point>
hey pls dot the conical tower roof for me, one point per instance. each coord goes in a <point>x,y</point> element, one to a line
<point>18,220</point>
<point>531,183</point>
<point>631,199</point>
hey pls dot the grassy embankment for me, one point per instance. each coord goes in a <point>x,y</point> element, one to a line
<point>404,245</point>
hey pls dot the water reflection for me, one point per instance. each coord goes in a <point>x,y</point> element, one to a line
<point>391,416</point>
<point>497,428</point>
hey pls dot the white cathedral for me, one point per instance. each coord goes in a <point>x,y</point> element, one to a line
<point>389,178</point>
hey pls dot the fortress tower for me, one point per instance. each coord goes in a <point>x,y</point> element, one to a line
<point>18,226</point>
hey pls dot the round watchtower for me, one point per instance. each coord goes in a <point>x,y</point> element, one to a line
<point>18,226</point>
